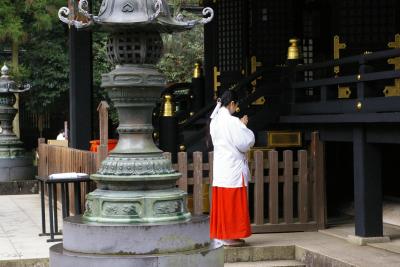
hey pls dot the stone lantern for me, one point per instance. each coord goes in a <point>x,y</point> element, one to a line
<point>15,164</point>
<point>136,216</point>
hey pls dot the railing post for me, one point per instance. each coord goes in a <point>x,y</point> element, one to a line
<point>259,188</point>
<point>318,173</point>
<point>40,157</point>
<point>211,175</point>
<point>197,89</point>
<point>360,83</point>
<point>288,186</point>
<point>273,187</point>
<point>169,128</point>
<point>198,183</point>
<point>303,195</point>
<point>102,150</point>
<point>182,168</point>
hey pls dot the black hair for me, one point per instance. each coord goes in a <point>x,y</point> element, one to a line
<point>226,98</point>
<point>229,96</point>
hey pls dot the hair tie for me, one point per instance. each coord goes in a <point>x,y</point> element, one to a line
<point>216,109</point>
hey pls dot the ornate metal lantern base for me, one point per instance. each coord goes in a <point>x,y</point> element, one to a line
<point>136,216</point>
<point>136,182</point>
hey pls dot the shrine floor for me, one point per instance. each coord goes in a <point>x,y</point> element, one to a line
<point>20,244</point>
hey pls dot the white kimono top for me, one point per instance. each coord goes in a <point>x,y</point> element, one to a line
<point>231,140</point>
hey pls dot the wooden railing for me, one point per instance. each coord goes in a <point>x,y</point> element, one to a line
<point>284,195</point>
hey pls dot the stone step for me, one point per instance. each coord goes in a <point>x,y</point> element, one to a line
<point>282,263</point>
<point>259,253</point>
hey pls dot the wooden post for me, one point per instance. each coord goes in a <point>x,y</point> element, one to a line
<point>198,183</point>
<point>303,186</point>
<point>182,168</point>
<point>40,157</point>
<point>210,176</point>
<point>367,186</point>
<point>318,173</point>
<point>80,89</point>
<point>66,130</point>
<point>102,150</point>
<point>259,188</point>
<point>288,186</point>
<point>273,187</point>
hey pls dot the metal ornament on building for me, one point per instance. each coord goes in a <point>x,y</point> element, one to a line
<point>293,50</point>
<point>136,184</point>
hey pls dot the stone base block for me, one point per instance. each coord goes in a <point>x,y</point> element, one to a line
<point>362,241</point>
<point>19,187</point>
<point>212,255</point>
<point>16,169</point>
<point>134,239</point>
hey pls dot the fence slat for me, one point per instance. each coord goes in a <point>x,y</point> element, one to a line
<point>273,187</point>
<point>288,186</point>
<point>259,188</point>
<point>198,183</point>
<point>303,186</point>
<point>182,167</point>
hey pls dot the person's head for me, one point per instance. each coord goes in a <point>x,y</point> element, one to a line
<point>229,99</point>
<point>61,131</point>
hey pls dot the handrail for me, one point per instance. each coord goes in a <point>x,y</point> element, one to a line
<point>352,59</point>
<point>244,82</point>
<point>175,86</point>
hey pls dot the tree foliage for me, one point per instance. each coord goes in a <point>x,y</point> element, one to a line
<point>182,50</point>
<point>33,26</point>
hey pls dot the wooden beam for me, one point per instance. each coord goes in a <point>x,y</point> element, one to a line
<point>393,117</point>
<point>370,105</point>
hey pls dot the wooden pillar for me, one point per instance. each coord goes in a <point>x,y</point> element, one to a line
<point>80,91</point>
<point>367,186</point>
<point>102,150</point>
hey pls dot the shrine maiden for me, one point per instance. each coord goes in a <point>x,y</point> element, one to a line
<point>231,138</point>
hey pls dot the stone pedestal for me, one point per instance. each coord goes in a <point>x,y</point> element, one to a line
<point>16,169</point>
<point>184,243</point>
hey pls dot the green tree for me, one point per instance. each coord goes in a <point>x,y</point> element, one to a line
<point>22,18</point>
<point>182,50</point>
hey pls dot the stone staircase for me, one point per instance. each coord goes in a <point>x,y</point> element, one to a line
<point>278,256</point>
<point>282,263</point>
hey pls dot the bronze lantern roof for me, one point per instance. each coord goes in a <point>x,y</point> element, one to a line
<point>150,15</point>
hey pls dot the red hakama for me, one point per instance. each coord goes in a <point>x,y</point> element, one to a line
<point>229,217</point>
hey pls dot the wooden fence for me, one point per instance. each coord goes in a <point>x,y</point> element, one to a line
<point>57,159</point>
<point>286,194</point>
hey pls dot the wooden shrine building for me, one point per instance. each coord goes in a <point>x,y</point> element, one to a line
<point>344,83</point>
